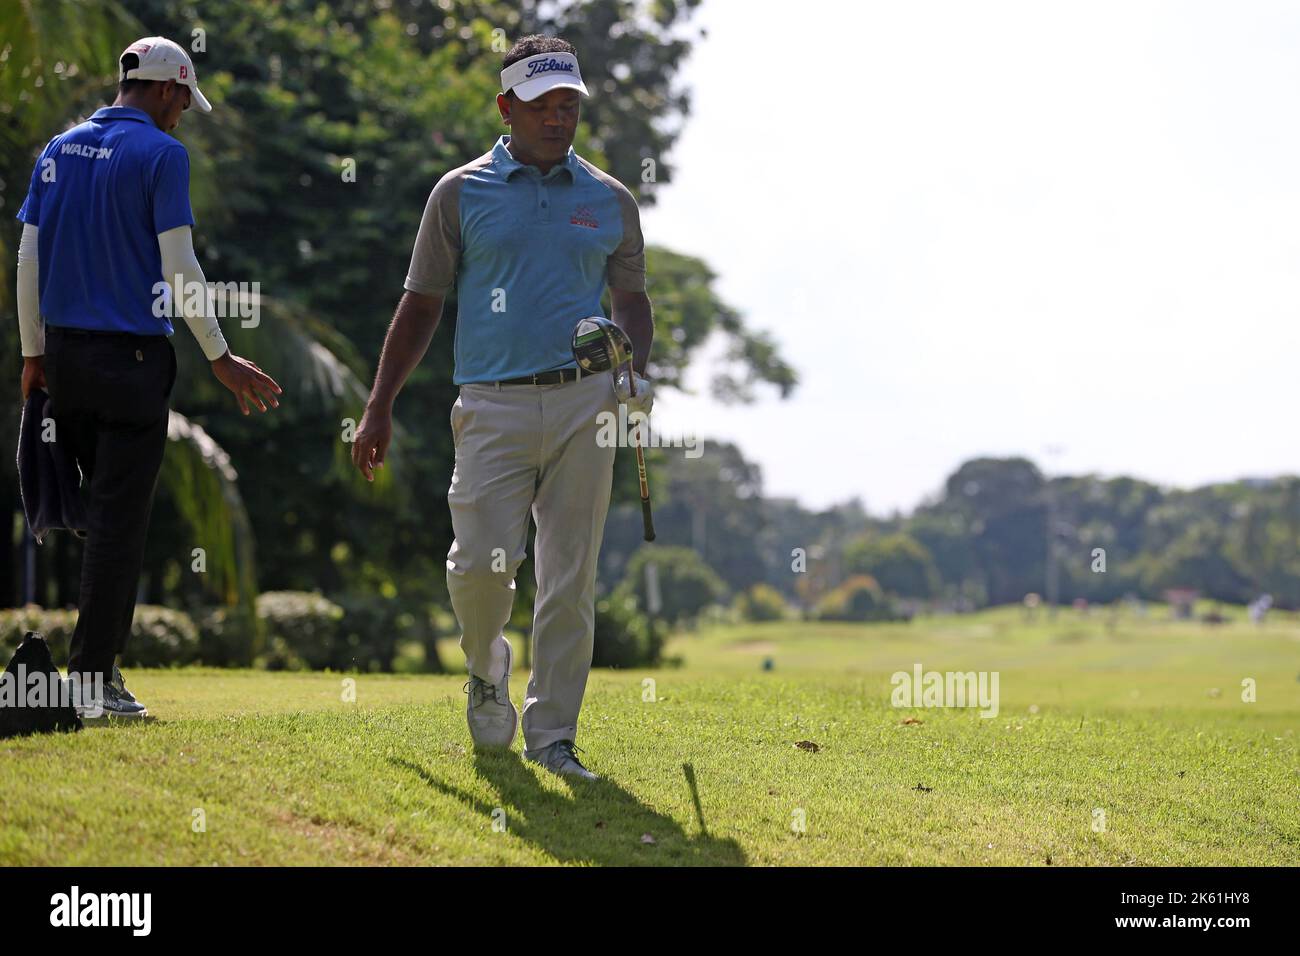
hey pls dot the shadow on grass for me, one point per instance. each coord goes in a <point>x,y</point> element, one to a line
<point>596,822</point>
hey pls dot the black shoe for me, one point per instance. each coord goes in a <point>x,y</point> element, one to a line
<point>119,684</point>
<point>116,705</point>
<point>112,704</point>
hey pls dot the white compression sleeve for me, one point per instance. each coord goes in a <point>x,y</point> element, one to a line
<point>179,261</point>
<point>31,329</point>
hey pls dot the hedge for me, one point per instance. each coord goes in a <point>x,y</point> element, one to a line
<point>160,636</point>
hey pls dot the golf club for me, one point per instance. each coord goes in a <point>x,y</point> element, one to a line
<point>598,346</point>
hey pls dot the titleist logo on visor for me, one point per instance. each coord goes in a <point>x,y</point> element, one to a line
<point>547,66</point>
<point>536,74</point>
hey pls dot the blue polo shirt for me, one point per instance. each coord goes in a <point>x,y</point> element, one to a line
<point>100,195</point>
<point>529,255</point>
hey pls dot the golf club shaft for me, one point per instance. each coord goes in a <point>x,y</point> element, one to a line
<point>647,519</point>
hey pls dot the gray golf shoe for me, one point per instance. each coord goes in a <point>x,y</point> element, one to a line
<point>119,684</point>
<point>561,758</point>
<point>492,717</point>
<point>112,704</point>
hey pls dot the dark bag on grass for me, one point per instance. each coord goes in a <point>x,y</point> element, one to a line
<point>33,657</point>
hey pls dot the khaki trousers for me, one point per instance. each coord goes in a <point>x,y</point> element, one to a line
<point>522,448</point>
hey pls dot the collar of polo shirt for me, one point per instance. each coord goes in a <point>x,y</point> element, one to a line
<point>121,113</point>
<point>534,75</point>
<point>509,165</point>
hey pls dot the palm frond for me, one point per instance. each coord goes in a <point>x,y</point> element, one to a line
<point>201,482</point>
<point>52,50</point>
<point>320,371</point>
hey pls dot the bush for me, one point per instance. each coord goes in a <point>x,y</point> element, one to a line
<point>686,584</point>
<point>361,632</point>
<point>301,630</point>
<point>374,627</point>
<point>624,636</point>
<point>160,636</point>
<point>54,625</point>
<point>762,602</point>
<point>227,637</point>
<point>858,599</point>
<point>899,563</point>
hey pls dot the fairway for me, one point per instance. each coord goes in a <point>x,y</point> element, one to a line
<point>1123,747</point>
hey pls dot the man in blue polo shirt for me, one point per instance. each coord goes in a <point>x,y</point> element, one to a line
<point>529,234</point>
<point>106,254</point>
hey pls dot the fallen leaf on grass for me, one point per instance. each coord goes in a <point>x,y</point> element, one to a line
<point>922,787</point>
<point>807,745</point>
<point>913,720</point>
<point>600,824</point>
<point>647,838</point>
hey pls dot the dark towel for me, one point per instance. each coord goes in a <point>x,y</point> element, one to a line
<point>48,477</point>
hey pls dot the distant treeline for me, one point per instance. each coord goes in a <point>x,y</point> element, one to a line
<point>984,538</point>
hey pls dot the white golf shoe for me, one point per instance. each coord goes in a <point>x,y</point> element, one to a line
<point>493,720</point>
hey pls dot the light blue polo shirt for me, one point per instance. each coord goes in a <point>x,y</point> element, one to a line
<point>100,195</point>
<point>528,255</point>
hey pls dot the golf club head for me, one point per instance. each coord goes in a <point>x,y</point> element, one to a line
<point>599,345</point>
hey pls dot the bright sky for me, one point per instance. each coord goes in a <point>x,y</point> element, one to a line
<point>1064,230</point>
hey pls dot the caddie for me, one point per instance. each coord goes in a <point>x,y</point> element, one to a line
<point>106,255</point>
<point>528,234</point>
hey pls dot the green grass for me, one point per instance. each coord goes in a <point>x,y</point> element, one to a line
<point>1145,723</point>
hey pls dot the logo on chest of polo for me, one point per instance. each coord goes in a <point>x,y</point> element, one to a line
<point>584,216</point>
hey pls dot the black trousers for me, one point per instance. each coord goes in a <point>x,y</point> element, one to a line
<point>109,394</point>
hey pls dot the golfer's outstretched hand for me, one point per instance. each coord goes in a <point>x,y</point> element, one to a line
<point>249,383</point>
<point>644,398</point>
<point>370,444</point>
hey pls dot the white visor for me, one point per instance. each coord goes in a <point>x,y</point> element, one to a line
<point>540,73</point>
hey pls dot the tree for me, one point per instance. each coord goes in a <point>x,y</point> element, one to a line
<point>900,564</point>
<point>686,584</point>
<point>1199,559</point>
<point>945,535</point>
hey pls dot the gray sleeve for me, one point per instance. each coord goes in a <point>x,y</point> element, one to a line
<point>626,266</point>
<point>437,244</point>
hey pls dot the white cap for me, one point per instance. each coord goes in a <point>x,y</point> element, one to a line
<point>540,73</point>
<point>161,59</point>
